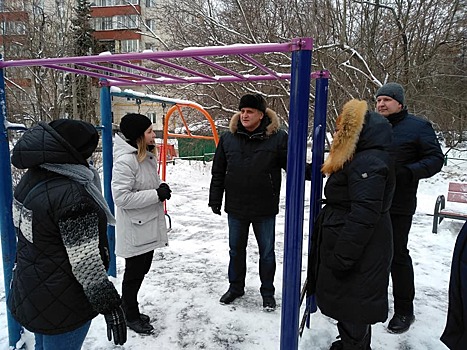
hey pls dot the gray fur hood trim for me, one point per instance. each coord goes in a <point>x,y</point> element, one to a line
<point>272,127</point>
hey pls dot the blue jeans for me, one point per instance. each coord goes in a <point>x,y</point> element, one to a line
<point>72,340</point>
<point>264,229</point>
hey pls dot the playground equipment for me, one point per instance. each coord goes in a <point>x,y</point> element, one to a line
<point>112,70</point>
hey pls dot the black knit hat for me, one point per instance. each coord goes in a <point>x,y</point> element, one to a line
<point>253,101</point>
<point>133,125</point>
<point>393,90</point>
<point>82,136</point>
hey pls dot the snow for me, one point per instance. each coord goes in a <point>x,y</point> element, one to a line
<point>182,290</point>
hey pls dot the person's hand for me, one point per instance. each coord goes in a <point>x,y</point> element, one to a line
<point>216,209</point>
<point>164,192</point>
<point>116,326</point>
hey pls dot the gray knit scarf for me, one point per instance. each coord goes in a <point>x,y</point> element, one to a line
<point>88,178</point>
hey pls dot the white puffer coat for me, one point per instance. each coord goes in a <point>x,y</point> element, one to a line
<point>140,216</point>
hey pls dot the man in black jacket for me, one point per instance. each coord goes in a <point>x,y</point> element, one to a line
<point>417,155</point>
<point>247,166</point>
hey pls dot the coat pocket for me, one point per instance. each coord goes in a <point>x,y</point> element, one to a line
<point>146,228</point>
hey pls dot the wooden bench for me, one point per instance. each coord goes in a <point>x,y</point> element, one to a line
<point>457,192</point>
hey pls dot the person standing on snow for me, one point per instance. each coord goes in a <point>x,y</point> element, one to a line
<point>139,194</point>
<point>417,155</point>
<point>348,268</point>
<point>59,280</point>
<point>247,167</point>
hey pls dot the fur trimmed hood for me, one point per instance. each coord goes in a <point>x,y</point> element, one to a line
<point>349,124</point>
<point>271,128</point>
<point>357,130</point>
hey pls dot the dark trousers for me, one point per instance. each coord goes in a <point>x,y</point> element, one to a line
<point>355,336</point>
<point>136,268</point>
<point>403,285</point>
<point>264,229</point>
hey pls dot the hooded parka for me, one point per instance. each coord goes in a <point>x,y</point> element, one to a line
<point>141,225</point>
<point>352,243</point>
<point>247,166</point>
<point>59,280</point>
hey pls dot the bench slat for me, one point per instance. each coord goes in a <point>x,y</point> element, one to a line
<point>457,197</point>
<point>457,187</point>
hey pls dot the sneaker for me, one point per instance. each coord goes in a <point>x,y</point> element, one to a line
<point>139,326</point>
<point>229,297</point>
<point>144,318</point>
<point>269,303</point>
<point>400,323</point>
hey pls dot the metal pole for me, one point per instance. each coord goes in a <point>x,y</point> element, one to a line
<point>107,147</point>
<point>6,213</point>
<point>319,127</point>
<point>295,188</point>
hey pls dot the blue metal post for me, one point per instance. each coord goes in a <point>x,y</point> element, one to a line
<point>107,147</point>
<point>319,127</point>
<point>295,188</point>
<point>6,213</point>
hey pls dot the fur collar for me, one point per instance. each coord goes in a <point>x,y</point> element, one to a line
<point>271,128</point>
<point>349,124</point>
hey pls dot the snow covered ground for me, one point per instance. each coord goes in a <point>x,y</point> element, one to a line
<point>181,293</point>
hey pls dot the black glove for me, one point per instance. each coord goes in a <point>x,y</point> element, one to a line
<point>216,209</point>
<point>116,325</point>
<point>163,192</point>
<point>403,175</point>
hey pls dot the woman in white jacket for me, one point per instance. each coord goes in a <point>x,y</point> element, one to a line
<point>139,195</point>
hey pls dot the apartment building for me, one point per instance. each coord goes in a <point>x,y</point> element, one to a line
<point>120,26</point>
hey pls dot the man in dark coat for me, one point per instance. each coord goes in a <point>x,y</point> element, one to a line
<point>247,167</point>
<point>352,242</point>
<point>59,281</point>
<point>455,333</point>
<point>417,155</point>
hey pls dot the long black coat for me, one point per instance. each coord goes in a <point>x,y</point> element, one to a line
<point>59,280</point>
<point>247,166</point>
<point>455,333</point>
<point>350,264</point>
<point>416,147</point>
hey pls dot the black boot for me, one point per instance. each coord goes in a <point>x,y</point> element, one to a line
<point>400,323</point>
<point>139,326</point>
<point>349,343</point>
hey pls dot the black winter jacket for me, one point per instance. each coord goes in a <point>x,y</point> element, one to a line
<point>352,242</point>
<point>455,333</point>
<point>416,148</point>
<point>59,280</point>
<point>247,166</point>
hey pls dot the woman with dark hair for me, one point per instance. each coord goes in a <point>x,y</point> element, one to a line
<point>59,281</point>
<point>139,194</point>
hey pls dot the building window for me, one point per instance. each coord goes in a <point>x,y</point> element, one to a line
<point>150,3</point>
<point>152,117</point>
<point>103,23</point>
<point>150,24</point>
<point>129,46</point>
<point>126,22</point>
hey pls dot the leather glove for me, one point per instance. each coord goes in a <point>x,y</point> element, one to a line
<point>164,192</point>
<point>403,175</point>
<point>216,209</point>
<point>116,325</point>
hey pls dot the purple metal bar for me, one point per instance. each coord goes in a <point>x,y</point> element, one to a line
<point>85,72</point>
<point>116,71</point>
<point>197,80</point>
<point>151,71</point>
<point>184,69</point>
<point>189,52</point>
<point>219,67</point>
<point>259,65</point>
